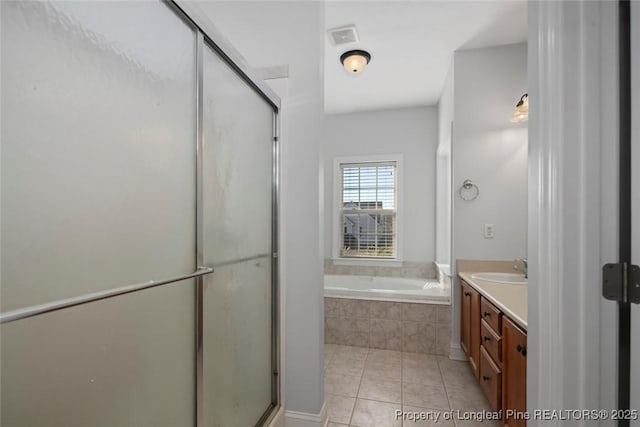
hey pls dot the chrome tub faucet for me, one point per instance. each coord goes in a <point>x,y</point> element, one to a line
<point>525,267</point>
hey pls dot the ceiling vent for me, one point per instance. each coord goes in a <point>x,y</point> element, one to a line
<point>343,35</point>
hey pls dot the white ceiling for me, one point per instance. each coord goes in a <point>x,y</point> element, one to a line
<point>411,45</point>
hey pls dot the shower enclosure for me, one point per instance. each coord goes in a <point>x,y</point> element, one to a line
<point>139,280</point>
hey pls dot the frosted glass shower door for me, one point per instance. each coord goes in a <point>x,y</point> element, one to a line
<point>98,192</point>
<point>237,215</point>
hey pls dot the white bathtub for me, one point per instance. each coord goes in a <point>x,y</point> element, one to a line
<point>386,289</point>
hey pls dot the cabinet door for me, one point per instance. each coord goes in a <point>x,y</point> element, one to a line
<point>470,324</point>
<point>514,354</point>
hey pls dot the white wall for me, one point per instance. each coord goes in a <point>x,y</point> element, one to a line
<point>491,151</point>
<point>444,172</point>
<point>480,94</point>
<point>267,36</point>
<point>409,131</point>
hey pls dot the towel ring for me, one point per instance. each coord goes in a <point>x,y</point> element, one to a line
<point>469,191</point>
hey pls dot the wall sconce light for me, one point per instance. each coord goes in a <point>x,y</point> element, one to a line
<point>521,113</point>
<point>354,61</point>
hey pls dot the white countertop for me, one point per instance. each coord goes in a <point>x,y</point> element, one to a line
<point>510,299</point>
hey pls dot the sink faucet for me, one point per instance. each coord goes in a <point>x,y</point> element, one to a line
<point>523,269</point>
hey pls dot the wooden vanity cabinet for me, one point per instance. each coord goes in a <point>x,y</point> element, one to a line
<point>491,353</point>
<point>491,315</point>
<point>497,351</point>
<point>470,325</point>
<point>514,387</point>
<point>491,341</point>
<point>490,380</point>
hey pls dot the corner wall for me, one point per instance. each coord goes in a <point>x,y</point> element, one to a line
<point>492,152</point>
<point>443,171</point>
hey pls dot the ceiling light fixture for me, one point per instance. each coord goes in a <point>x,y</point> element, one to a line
<point>354,61</point>
<point>521,113</point>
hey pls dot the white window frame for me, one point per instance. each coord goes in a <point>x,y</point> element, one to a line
<point>337,205</point>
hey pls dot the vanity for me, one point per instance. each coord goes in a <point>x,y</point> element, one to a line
<point>493,329</point>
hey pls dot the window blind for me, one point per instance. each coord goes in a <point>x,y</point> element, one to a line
<point>368,209</point>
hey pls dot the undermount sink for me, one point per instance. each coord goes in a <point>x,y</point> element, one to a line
<point>511,278</point>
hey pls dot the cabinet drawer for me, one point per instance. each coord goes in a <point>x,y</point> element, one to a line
<point>491,315</point>
<point>491,341</point>
<point>490,380</point>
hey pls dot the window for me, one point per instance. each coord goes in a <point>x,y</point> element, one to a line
<point>367,204</point>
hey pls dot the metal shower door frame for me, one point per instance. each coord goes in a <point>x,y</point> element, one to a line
<point>207,34</point>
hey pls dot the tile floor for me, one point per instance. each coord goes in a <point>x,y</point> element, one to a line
<point>364,388</point>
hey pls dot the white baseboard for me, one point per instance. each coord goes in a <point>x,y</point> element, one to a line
<point>305,419</point>
<point>278,419</point>
<point>457,353</point>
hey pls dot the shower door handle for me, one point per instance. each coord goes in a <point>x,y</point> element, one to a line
<point>35,310</point>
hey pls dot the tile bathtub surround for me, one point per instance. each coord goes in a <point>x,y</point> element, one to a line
<point>387,381</point>
<point>419,328</point>
<point>421,270</point>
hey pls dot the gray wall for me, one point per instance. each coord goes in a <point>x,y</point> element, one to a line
<point>408,131</point>
<point>480,95</point>
<point>491,151</point>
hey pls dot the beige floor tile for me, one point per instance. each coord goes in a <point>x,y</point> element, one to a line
<point>330,348</point>
<point>340,408</point>
<point>384,356</point>
<point>485,423</point>
<point>421,375</point>
<point>419,360</point>
<point>381,390</point>
<point>458,379</point>
<point>343,366</point>
<point>336,425</point>
<point>432,396</point>
<point>383,370</point>
<point>453,366</point>
<point>350,352</point>
<point>381,379</point>
<point>343,385</point>
<point>468,397</point>
<point>346,357</point>
<point>423,417</point>
<point>327,359</point>
<point>370,413</point>
<point>456,373</point>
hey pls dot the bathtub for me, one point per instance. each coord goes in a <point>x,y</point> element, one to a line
<point>386,289</point>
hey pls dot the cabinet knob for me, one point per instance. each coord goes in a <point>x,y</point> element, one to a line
<point>486,314</point>
<point>485,338</point>
<point>466,294</point>
<point>524,352</point>
<point>486,378</point>
<point>519,348</point>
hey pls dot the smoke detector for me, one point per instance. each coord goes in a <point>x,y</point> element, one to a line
<point>343,35</point>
